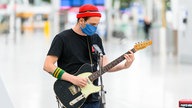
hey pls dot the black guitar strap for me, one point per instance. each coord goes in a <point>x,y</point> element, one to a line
<point>89,44</point>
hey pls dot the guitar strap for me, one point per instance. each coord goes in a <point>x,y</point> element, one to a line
<point>90,53</point>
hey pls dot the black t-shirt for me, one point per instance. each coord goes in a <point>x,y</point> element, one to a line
<point>72,51</point>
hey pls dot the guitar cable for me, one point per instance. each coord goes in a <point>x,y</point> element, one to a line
<point>59,103</point>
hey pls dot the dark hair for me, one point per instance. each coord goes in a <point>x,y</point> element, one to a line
<point>85,18</point>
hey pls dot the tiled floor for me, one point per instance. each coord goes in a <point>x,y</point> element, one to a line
<point>151,82</point>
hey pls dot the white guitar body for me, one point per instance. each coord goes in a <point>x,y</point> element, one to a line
<point>89,88</point>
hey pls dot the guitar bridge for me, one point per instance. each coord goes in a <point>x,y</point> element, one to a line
<point>74,89</point>
<point>74,101</point>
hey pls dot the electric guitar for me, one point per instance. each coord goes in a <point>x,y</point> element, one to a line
<point>72,96</point>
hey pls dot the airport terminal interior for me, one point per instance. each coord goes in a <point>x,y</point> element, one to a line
<point>159,77</point>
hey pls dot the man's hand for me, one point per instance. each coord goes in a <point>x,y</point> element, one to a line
<point>129,59</point>
<point>79,81</point>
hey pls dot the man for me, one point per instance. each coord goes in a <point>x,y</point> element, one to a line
<point>147,27</point>
<point>73,47</point>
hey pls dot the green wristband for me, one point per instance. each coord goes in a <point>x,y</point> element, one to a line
<point>58,73</point>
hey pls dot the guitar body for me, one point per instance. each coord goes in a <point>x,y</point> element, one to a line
<point>72,96</point>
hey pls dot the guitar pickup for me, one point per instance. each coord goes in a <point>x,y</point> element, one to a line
<point>74,89</point>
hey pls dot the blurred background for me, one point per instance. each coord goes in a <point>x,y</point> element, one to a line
<point>159,77</point>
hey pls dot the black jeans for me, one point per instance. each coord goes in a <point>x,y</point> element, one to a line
<point>91,105</point>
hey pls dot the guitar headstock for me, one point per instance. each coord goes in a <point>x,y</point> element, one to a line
<point>142,45</point>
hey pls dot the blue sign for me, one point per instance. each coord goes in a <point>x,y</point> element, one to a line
<point>99,2</point>
<point>65,3</point>
<point>77,3</point>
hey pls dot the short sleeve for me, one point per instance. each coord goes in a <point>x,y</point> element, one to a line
<point>56,46</point>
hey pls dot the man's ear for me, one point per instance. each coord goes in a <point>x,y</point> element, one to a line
<point>81,20</point>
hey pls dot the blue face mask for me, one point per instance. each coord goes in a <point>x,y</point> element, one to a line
<point>89,29</point>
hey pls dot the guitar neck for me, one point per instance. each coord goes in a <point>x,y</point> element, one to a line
<point>106,68</point>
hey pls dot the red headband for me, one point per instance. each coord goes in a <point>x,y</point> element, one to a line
<point>88,10</point>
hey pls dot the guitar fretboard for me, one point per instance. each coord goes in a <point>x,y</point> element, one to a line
<point>106,68</point>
